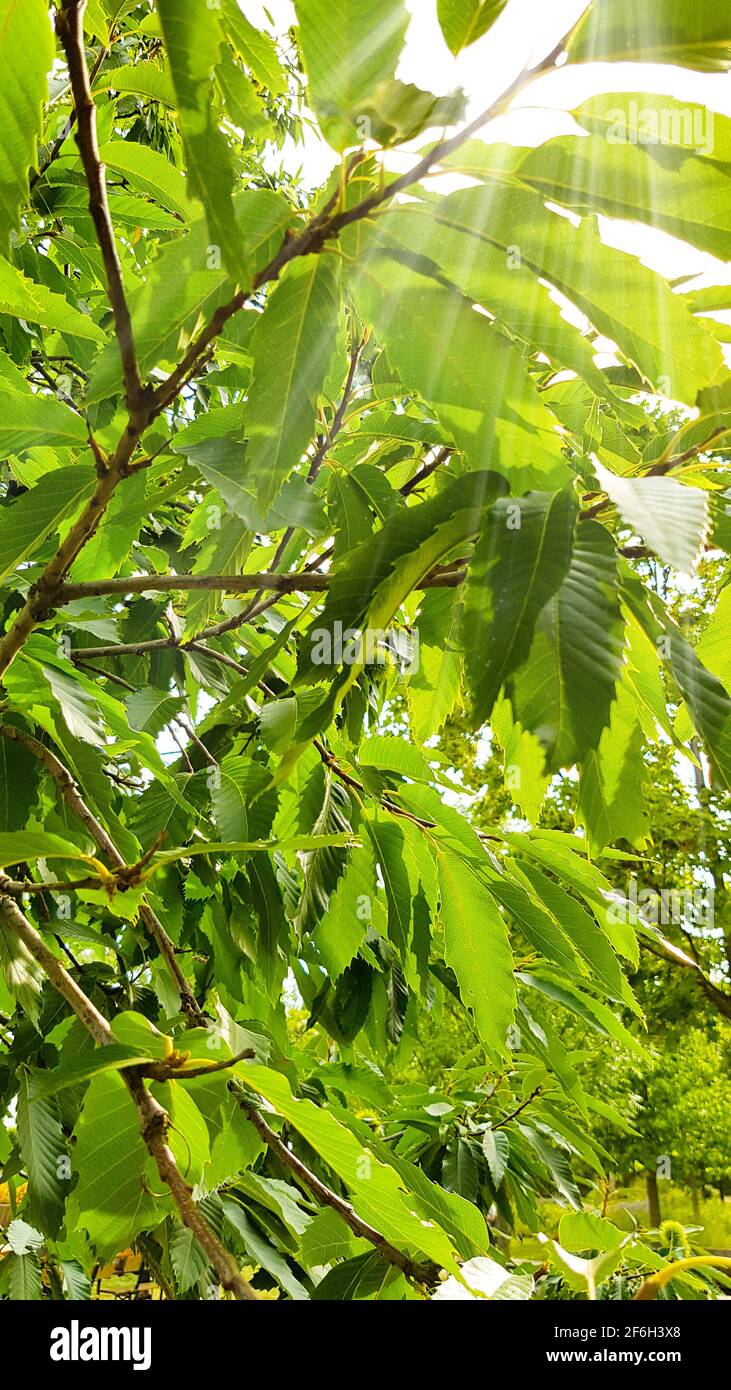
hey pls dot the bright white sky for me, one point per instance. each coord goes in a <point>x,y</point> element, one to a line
<point>524,33</point>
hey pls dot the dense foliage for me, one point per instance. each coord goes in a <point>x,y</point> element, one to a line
<point>302,492</point>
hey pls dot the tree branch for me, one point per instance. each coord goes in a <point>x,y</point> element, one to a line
<point>170,583</point>
<point>440,457</point>
<point>665,951</point>
<point>421,1273</point>
<point>177,1067</point>
<point>441,577</point>
<point>72,796</point>
<point>16,922</point>
<point>153,1119</point>
<point>43,595</point>
<point>70,29</point>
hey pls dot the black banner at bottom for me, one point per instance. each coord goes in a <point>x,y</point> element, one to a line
<point>110,1338</point>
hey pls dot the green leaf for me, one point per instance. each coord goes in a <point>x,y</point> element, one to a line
<point>524,761</point>
<point>585,1007</point>
<point>434,685</point>
<point>536,920</point>
<point>389,849</point>
<point>496,1148</point>
<point>144,79</point>
<point>149,172</point>
<point>243,106</point>
<point>82,1067</point>
<point>625,301</point>
<point>649,119</point>
<point>191,35</point>
<point>151,710</point>
<point>26,523</point>
<point>27,420</point>
<point>44,1152</point>
<point>328,1239</point>
<point>255,47</point>
<point>583,932</point>
<point>708,701</point>
<point>23,298</point>
<point>31,844</point>
<point>392,754</point>
<point>109,547</point>
<point>76,1281</point>
<point>465,21</point>
<point>712,647</point>
<point>189,1263</point>
<point>472,377</point>
<point>341,929</point>
<point>235,1148</point>
<point>188,1135</point>
<point>116,1174</point>
<point>78,707</point>
<point>23,978</point>
<point>477,947</point>
<point>399,111</point>
<point>665,31</point>
<point>357,1280</point>
<point>242,807</point>
<point>137,1032</point>
<point>323,868</point>
<point>565,690</point>
<point>263,1251</point>
<point>26,55</point>
<point>348,47</point>
<point>25,1278</point>
<point>556,1161</point>
<point>292,345</point>
<point>521,558</point>
<point>602,175</point>
<point>492,275</point>
<point>19,776</point>
<point>95,20</point>
<point>611,792</point>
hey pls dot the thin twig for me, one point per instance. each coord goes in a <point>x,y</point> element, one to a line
<point>519,1109</point>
